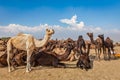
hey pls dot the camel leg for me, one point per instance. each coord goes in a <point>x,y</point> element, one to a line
<point>28,67</point>
<point>113,52</point>
<point>109,54</point>
<point>99,53</point>
<point>9,55</point>
<point>8,61</point>
<point>104,53</point>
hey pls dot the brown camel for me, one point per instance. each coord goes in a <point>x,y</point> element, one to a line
<point>61,49</point>
<point>51,45</point>
<point>44,58</point>
<point>27,43</point>
<point>64,56</point>
<point>97,43</point>
<point>3,43</point>
<point>72,55</point>
<point>17,59</point>
<point>81,46</point>
<point>84,60</point>
<point>107,44</point>
<point>3,60</point>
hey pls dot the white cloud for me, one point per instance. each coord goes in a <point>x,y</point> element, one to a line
<point>13,29</point>
<point>73,30</point>
<point>70,21</point>
<point>73,22</point>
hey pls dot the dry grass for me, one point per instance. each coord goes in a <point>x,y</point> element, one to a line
<point>102,70</point>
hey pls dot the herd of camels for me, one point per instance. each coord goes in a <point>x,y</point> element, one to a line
<point>34,54</point>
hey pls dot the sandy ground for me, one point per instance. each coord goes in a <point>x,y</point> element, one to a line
<point>102,70</point>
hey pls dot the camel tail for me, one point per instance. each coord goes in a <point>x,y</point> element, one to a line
<point>9,48</point>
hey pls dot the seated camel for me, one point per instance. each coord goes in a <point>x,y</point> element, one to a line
<point>84,60</point>
<point>51,45</point>
<point>45,59</point>
<point>64,50</point>
<point>64,56</point>
<point>18,59</point>
<point>38,58</point>
<point>3,60</point>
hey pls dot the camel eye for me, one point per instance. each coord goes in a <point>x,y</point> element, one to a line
<point>47,30</point>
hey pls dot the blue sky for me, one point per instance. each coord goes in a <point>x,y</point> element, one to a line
<point>102,15</point>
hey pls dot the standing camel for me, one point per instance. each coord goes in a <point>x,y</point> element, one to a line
<point>97,43</point>
<point>27,43</point>
<point>107,44</point>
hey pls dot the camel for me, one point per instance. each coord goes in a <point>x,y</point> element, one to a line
<point>3,60</point>
<point>81,46</point>
<point>63,49</point>
<point>72,55</point>
<point>51,45</point>
<point>44,58</point>
<point>64,56</point>
<point>19,59</point>
<point>3,43</point>
<point>27,43</point>
<point>107,44</point>
<point>84,60</point>
<point>97,43</point>
<point>110,47</point>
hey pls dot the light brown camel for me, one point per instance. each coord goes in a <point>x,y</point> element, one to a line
<point>27,43</point>
<point>97,43</point>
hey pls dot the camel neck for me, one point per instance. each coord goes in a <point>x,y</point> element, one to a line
<point>43,42</point>
<point>88,50</point>
<point>66,54</point>
<point>92,40</point>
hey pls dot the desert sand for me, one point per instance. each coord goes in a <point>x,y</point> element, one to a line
<point>101,70</point>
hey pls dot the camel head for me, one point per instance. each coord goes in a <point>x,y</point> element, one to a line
<point>49,32</point>
<point>90,34</point>
<point>101,36</point>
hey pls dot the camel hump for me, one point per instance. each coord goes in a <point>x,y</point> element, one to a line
<point>99,40</point>
<point>19,33</point>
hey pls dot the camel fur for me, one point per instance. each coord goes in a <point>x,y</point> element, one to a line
<point>27,43</point>
<point>97,43</point>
